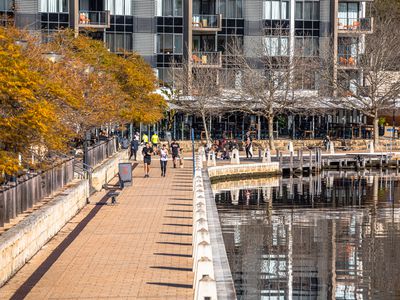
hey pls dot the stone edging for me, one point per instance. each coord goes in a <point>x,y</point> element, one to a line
<point>212,275</point>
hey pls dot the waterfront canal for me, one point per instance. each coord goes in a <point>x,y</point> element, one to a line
<point>333,236</point>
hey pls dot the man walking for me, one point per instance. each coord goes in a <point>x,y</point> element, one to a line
<point>145,138</point>
<point>248,145</point>
<point>154,142</point>
<point>175,149</point>
<point>134,146</point>
<point>147,150</point>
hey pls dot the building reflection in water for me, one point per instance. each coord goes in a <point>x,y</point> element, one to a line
<point>321,237</point>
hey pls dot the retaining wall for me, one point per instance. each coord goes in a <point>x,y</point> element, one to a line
<point>21,242</point>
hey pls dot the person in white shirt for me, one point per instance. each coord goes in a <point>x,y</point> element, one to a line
<point>163,160</point>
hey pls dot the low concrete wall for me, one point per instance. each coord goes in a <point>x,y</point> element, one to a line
<point>22,241</point>
<point>108,169</point>
<point>242,170</point>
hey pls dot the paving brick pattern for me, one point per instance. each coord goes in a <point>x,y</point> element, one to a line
<point>139,248</point>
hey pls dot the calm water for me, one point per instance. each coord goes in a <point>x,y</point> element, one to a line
<point>326,237</point>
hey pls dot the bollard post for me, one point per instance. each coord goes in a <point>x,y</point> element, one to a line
<point>205,268</point>
<point>206,289</point>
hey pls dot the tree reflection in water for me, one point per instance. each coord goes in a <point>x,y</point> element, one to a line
<point>321,237</point>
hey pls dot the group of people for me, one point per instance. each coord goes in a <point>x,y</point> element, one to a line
<point>152,148</point>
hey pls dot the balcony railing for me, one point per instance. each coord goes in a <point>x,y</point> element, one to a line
<point>207,22</point>
<point>94,19</point>
<point>357,25</point>
<point>207,59</point>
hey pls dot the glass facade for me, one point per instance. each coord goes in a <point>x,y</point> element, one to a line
<point>169,8</point>
<point>53,6</point>
<point>231,9</point>
<point>119,36</point>
<point>119,7</point>
<point>275,10</point>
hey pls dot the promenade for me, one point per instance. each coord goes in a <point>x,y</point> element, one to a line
<point>139,248</point>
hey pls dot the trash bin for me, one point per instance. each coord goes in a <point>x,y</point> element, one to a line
<point>125,174</point>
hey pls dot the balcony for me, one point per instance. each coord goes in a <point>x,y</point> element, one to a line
<point>94,19</point>
<point>207,23</point>
<point>347,61</point>
<point>348,26</point>
<point>207,59</point>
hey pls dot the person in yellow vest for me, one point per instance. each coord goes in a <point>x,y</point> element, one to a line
<point>145,138</point>
<point>154,142</point>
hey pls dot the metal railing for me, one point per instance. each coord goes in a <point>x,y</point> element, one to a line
<point>206,22</point>
<point>94,19</point>
<point>207,59</point>
<point>355,24</point>
<point>26,191</point>
<point>97,153</point>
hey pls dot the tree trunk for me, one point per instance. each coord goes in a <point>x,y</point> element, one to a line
<point>271,132</point>
<point>376,131</point>
<point>203,117</point>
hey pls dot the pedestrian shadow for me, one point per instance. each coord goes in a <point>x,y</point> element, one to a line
<point>178,217</point>
<point>180,210</point>
<point>175,243</point>
<point>171,268</point>
<point>169,284</point>
<point>180,225</point>
<point>175,233</point>
<point>173,254</point>
<point>179,204</point>
<point>182,199</point>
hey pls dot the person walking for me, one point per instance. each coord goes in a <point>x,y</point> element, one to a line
<point>163,160</point>
<point>248,144</point>
<point>145,138</point>
<point>134,146</point>
<point>154,142</point>
<point>175,149</point>
<point>147,151</point>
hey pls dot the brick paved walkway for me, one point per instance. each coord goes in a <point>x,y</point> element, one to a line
<point>140,248</point>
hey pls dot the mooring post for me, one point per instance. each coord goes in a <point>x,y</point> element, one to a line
<point>291,163</point>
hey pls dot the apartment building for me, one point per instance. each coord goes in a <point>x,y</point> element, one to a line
<point>200,31</point>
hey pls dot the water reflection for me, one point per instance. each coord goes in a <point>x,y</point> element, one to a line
<point>324,237</point>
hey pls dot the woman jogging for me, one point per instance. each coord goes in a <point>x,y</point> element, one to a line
<point>163,160</point>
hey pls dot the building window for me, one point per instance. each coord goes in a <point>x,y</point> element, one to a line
<point>6,5</point>
<point>231,9</point>
<point>275,10</point>
<point>348,14</point>
<point>119,7</point>
<point>306,46</point>
<point>56,6</point>
<point>276,46</point>
<point>170,43</point>
<point>169,8</point>
<point>119,42</point>
<point>307,10</point>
